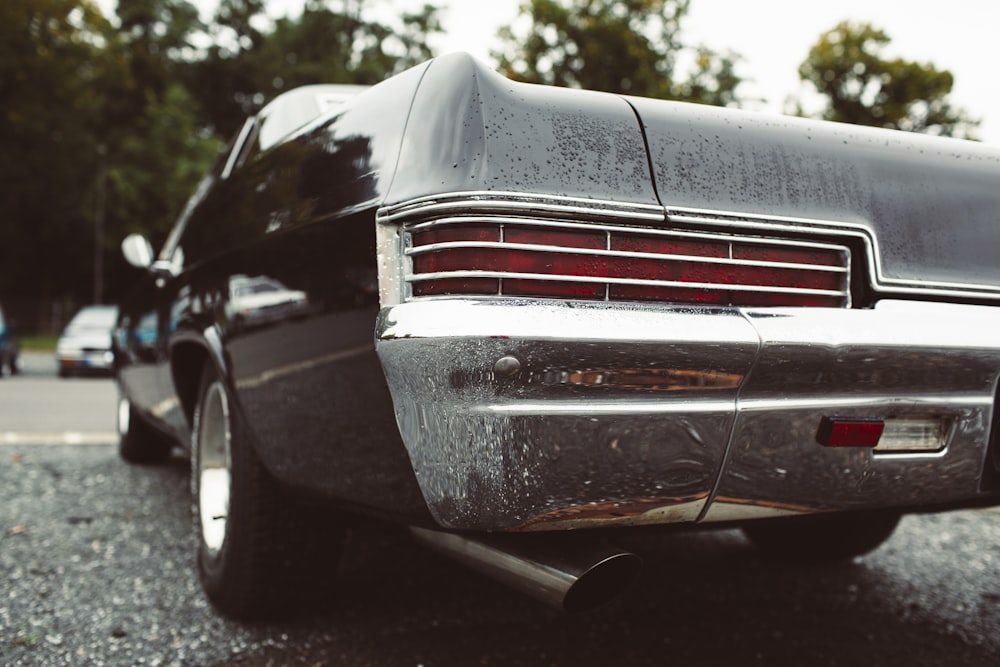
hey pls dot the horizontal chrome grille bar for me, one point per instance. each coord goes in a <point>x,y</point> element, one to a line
<point>722,261</point>
<point>414,228</point>
<point>763,289</point>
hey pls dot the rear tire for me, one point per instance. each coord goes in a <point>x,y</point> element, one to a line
<point>260,553</point>
<point>822,539</point>
<point>138,442</point>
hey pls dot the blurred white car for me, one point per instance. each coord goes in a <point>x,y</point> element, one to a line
<point>259,300</point>
<point>85,343</point>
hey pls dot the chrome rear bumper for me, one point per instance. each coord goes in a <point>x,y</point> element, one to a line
<point>544,415</point>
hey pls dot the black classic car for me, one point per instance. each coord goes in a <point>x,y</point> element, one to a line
<point>538,317</point>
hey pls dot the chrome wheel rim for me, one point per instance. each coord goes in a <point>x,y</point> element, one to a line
<point>213,471</point>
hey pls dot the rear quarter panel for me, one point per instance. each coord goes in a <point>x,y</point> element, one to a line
<point>931,205</point>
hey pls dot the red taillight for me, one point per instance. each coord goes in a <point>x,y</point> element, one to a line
<point>670,246</point>
<point>455,233</point>
<point>558,237</point>
<point>790,255</point>
<point>892,435</point>
<point>473,286</point>
<point>580,261</point>
<point>849,432</point>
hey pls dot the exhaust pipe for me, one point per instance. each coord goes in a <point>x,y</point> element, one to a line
<point>578,578</point>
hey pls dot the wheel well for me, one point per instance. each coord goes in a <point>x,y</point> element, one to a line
<point>186,363</point>
<point>991,468</point>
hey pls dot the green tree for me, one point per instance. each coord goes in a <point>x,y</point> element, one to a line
<point>621,46</point>
<point>238,16</point>
<point>328,43</point>
<point>862,86</point>
<point>49,55</point>
<point>98,140</point>
<point>154,152</point>
<point>107,123</point>
<point>155,33</point>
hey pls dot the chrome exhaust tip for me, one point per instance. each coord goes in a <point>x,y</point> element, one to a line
<point>578,577</point>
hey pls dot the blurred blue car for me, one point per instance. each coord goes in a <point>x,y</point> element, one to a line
<point>10,347</point>
<point>85,344</point>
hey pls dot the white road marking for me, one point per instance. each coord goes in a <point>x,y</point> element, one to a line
<point>59,438</point>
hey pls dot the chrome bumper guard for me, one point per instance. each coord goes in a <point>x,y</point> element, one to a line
<point>546,415</point>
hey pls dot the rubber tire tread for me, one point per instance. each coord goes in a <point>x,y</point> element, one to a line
<point>143,444</point>
<point>279,557</point>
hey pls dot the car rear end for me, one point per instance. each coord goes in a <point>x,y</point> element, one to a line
<point>775,317</point>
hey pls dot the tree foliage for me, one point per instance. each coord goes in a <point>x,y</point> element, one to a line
<point>50,62</point>
<point>847,66</point>
<point>109,122</point>
<point>328,43</point>
<point>621,46</point>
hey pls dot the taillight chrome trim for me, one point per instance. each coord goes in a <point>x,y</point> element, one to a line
<point>840,297</point>
<point>397,252</point>
<point>858,234</point>
<point>544,206</point>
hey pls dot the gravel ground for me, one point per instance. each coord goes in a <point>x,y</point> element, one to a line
<point>120,590</point>
<point>97,569</point>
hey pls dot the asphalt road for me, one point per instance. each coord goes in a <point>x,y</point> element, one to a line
<point>42,408</point>
<point>96,569</point>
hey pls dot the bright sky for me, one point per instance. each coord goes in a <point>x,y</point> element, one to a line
<point>774,36</point>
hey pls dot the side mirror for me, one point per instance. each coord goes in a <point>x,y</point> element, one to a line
<point>137,250</point>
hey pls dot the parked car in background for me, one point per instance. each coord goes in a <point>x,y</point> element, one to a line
<point>85,344</point>
<point>259,300</point>
<point>541,317</point>
<point>10,346</point>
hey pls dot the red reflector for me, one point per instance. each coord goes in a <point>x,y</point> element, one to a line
<point>849,432</point>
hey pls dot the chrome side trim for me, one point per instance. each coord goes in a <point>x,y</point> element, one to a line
<point>591,407</point>
<point>237,148</point>
<point>579,321</point>
<point>507,202</point>
<point>867,401</point>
